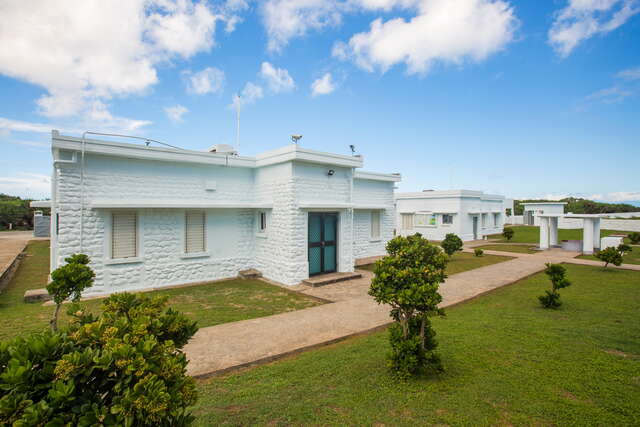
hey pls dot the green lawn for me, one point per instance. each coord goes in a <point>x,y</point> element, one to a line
<point>210,304</point>
<point>522,249</point>
<point>531,234</point>
<point>507,360</point>
<point>632,257</point>
<point>461,261</point>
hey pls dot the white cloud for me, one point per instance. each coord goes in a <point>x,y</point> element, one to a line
<point>176,112</point>
<point>583,19</point>
<point>278,79</point>
<point>610,95</point>
<point>443,31</point>
<point>323,85</point>
<point>30,185</point>
<point>21,126</point>
<point>250,94</point>
<point>209,80</point>
<point>286,19</point>
<point>629,74</point>
<point>84,54</point>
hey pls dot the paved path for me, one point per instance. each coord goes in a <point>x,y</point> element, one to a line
<point>220,348</point>
<point>12,243</point>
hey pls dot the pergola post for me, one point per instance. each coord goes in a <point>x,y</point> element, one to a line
<point>596,234</point>
<point>553,231</point>
<point>587,236</point>
<point>544,232</point>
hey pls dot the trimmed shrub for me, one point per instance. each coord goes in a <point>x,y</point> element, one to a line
<point>610,255</point>
<point>478,252</point>
<point>624,249</point>
<point>556,274</point>
<point>68,281</point>
<point>408,280</point>
<point>634,237</point>
<point>508,233</point>
<point>451,244</point>
<point>123,367</point>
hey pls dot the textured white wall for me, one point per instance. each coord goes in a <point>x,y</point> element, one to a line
<point>233,241</point>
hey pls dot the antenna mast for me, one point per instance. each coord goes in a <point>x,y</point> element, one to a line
<point>238,100</point>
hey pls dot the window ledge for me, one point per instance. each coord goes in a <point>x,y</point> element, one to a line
<point>196,255</point>
<point>261,235</point>
<point>117,261</point>
<point>375,240</point>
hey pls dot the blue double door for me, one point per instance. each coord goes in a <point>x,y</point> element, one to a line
<point>323,242</point>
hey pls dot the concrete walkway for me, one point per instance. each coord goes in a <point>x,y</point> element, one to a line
<point>12,243</point>
<point>220,348</point>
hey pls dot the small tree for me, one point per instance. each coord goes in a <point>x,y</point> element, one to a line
<point>478,252</point>
<point>408,279</point>
<point>610,255</point>
<point>508,233</point>
<point>634,237</point>
<point>124,367</point>
<point>68,281</point>
<point>624,249</point>
<point>451,244</point>
<point>557,274</point>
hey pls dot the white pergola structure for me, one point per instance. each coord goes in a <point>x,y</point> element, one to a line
<point>590,231</point>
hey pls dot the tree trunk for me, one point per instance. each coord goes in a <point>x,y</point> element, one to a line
<point>422,325</point>
<point>54,320</point>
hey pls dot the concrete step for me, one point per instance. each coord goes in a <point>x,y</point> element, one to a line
<point>36,295</point>
<point>251,273</point>
<point>326,279</point>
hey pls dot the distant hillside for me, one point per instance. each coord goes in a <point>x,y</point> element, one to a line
<point>581,206</point>
<point>16,211</point>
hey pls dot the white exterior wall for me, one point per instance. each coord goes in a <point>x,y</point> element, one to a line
<point>233,241</point>
<point>378,193</point>
<point>464,205</point>
<point>543,208</point>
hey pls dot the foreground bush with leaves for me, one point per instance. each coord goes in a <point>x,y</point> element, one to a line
<point>408,280</point>
<point>123,367</point>
<point>451,244</point>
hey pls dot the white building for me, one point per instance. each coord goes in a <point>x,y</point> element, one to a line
<point>532,211</point>
<point>470,215</point>
<point>152,217</point>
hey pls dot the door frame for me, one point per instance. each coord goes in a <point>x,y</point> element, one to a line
<point>475,220</point>
<point>321,244</point>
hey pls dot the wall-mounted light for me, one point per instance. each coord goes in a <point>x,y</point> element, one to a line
<point>330,172</point>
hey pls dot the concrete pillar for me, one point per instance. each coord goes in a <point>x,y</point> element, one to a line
<point>553,231</point>
<point>544,232</point>
<point>596,233</point>
<point>587,236</point>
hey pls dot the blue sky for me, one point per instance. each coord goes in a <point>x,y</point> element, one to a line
<point>523,98</point>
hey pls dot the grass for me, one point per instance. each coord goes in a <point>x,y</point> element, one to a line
<point>507,360</point>
<point>531,234</point>
<point>632,257</point>
<point>521,249</point>
<point>210,304</point>
<point>461,261</point>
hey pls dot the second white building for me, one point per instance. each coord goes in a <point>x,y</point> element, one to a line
<point>470,215</point>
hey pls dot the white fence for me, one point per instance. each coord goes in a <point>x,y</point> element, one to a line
<point>606,224</point>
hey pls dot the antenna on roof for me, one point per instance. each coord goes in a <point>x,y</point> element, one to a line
<point>353,149</point>
<point>238,101</point>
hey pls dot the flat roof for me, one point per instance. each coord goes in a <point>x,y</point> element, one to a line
<point>441,194</point>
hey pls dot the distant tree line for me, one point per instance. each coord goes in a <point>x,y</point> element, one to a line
<point>581,206</point>
<point>16,211</point>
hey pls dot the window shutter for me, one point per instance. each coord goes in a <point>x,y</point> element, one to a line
<point>194,232</point>
<point>375,225</point>
<point>124,235</point>
<point>407,221</point>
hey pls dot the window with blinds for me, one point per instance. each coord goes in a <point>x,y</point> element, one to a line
<point>375,225</point>
<point>194,241</point>
<point>124,235</point>
<point>407,221</point>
